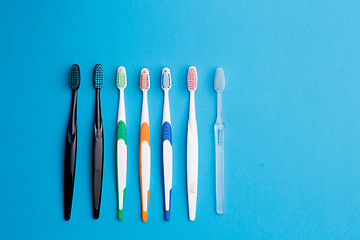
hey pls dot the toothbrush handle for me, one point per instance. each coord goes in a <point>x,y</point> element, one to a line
<point>219,129</point>
<point>98,157</point>
<point>192,168</point>
<point>121,155</point>
<point>167,167</point>
<point>97,172</point>
<point>145,158</point>
<point>70,158</point>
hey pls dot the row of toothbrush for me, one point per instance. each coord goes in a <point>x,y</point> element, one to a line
<point>144,149</point>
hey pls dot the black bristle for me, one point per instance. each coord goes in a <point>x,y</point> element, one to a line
<point>98,76</point>
<point>75,77</point>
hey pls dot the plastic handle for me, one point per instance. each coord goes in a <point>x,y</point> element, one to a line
<point>121,155</point>
<point>192,158</point>
<point>220,186</point>
<point>167,167</point>
<point>145,161</point>
<point>192,168</point>
<point>70,158</point>
<point>98,157</point>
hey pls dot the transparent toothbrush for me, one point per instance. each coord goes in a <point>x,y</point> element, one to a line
<point>219,128</point>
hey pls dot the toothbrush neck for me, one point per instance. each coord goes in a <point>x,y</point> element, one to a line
<point>73,122</point>
<point>166,110</point>
<point>74,103</point>
<point>219,108</point>
<point>192,105</point>
<point>121,112</point>
<point>122,98</point>
<point>145,110</point>
<point>166,94</point>
<point>97,107</point>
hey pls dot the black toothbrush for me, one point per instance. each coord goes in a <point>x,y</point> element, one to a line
<point>70,146</point>
<point>98,143</point>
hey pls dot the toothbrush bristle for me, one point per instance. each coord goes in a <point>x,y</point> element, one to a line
<point>192,79</point>
<point>219,81</point>
<point>144,79</point>
<point>121,78</point>
<point>75,77</point>
<point>166,78</point>
<point>98,76</point>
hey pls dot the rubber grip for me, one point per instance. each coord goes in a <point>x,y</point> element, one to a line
<point>144,137</point>
<point>121,155</point>
<point>121,131</point>
<point>166,131</point>
<point>167,149</point>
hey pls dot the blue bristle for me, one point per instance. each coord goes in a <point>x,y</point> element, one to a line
<point>98,76</point>
<point>165,79</point>
<point>75,77</point>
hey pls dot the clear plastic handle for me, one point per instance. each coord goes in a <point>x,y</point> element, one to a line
<point>220,183</point>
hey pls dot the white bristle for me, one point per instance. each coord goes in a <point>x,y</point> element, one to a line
<point>145,79</point>
<point>165,79</point>
<point>192,78</point>
<point>219,80</point>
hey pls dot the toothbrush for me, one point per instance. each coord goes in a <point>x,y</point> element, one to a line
<point>121,145</point>
<point>219,128</point>
<point>144,153</point>
<point>98,143</point>
<point>192,146</point>
<point>71,141</point>
<point>167,153</point>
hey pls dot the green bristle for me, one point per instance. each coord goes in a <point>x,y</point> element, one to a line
<point>75,77</point>
<point>121,78</point>
<point>98,76</point>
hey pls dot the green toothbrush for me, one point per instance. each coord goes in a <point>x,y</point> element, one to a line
<point>121,146</point>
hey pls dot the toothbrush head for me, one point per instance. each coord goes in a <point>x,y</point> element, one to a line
<point>192,79</point>
<point>98,76</point>
<point>145,79</point>
<point>75,77</point>
<point>165,79</point>
<point>219,80</point>
<point>121,78</point>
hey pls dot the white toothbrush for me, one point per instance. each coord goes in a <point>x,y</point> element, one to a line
<point>167,142</point>
<point>219,128</point>
<point>145,154</point>
<point>121,143</point>
<point>192,146</point>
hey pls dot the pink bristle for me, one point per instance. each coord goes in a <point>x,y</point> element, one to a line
<point>144,79</point>
<point>192,78</point>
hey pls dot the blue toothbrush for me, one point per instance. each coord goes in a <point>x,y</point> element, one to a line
<point>219,128</point>
<point>167,153</point>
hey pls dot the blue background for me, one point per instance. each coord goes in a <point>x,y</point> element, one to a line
<point>291,110</point>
